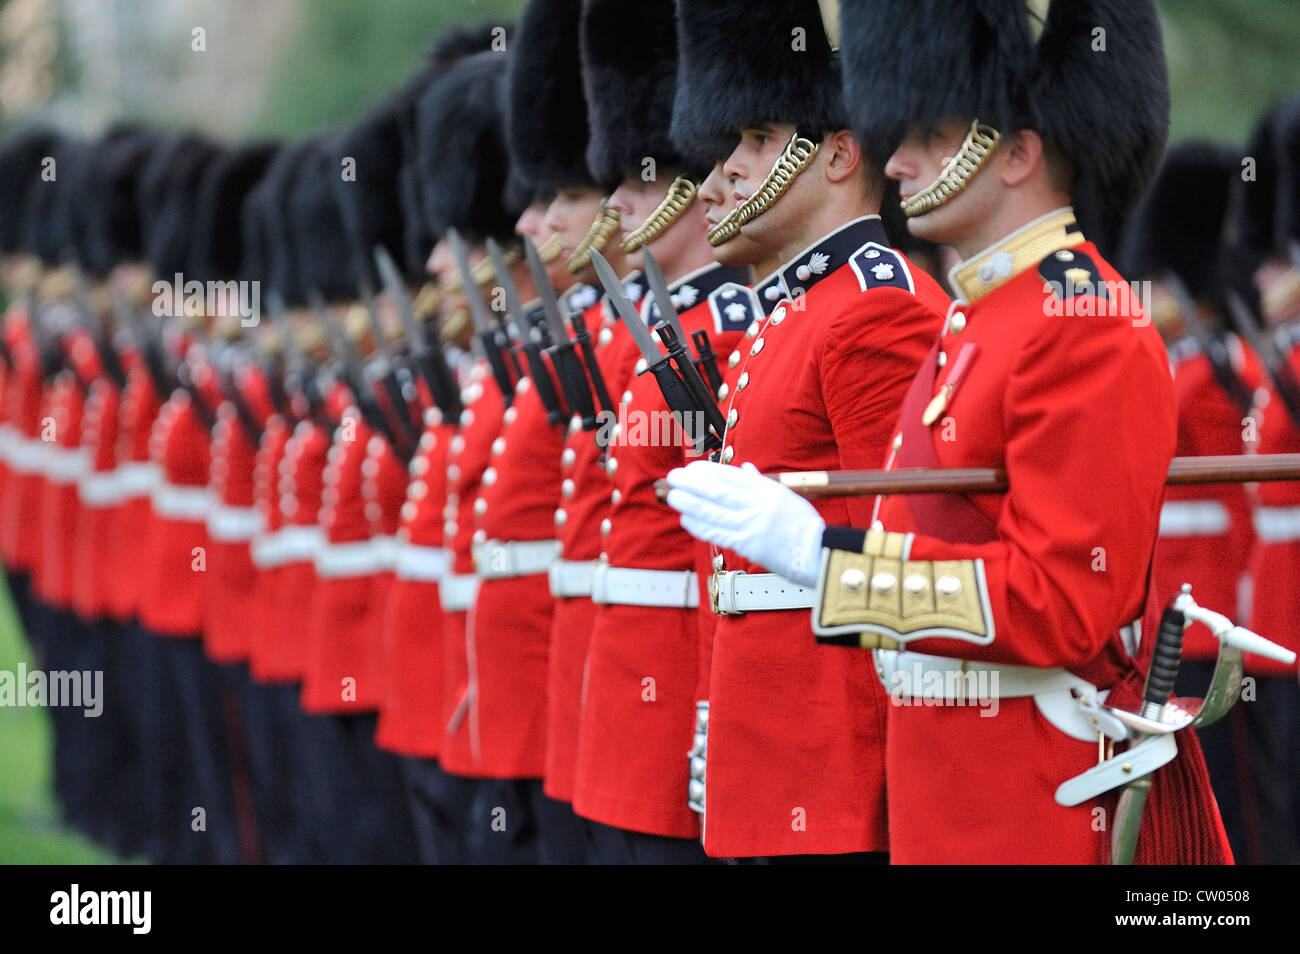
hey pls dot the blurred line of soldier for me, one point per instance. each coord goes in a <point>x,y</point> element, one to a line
<point>365,585</point>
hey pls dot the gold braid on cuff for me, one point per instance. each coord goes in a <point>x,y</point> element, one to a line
<point>679,198</point>
<point>595,239</point>
<point>974,152</point>
<point>798,154</point>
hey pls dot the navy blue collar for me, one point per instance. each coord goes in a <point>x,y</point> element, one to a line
<point>830,253</point>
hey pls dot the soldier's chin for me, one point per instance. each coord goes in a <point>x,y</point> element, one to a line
<point>939,225</point>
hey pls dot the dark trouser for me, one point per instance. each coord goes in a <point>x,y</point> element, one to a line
<point>112,766</point>
<point>441,805</point>
<point>502,827</point>
<point>277,735</point>
<point>359,807</point>
<point>1253,757</point>
<point>606,845</point>
<point>20,591</point>
<point>209,774</point>
<point>561,839</point>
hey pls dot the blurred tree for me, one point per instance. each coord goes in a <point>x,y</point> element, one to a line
<point>348,53</point>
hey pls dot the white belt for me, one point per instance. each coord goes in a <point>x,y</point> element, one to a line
<point>456,592</point>
<point>362,558</point>
<point>1194,518</point>
<point>1277,524</point>
<point>295,544</point>
<point>678,589</point>
<point>100,488</point>
<point>64,466</point>
<point>28,456</point>
<point>233,524</point>
<point>138,478</point>
<point>181,503</point>
<point>500,560</point>
<point>1068,702</point>
<point>571,577</point>
<point>423,564</point>
<point>386,549</point>
<point>741,592</point>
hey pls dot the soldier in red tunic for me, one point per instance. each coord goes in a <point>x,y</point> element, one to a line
<point>1205,532</point>
<point>1036,592</point>
<point>796,737</point>
<point>1266,234</point>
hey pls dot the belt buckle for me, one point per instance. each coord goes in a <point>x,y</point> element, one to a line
<point>713,594</point>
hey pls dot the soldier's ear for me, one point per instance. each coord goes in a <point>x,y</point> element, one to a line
<point>843,155</point>
<point>1020,157</point>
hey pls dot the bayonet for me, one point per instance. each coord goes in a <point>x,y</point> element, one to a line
<point>431,360</point>
<point>386,369</point>
<point>478,313</point>
<point>573,379</point>
<point>532,346</point>
<point>675,391</point>
<point>1278,368</point>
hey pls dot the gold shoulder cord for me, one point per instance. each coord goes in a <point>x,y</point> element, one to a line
<point>798,154</point>
<point>974,152</point>
<point>680,195</point>
<point>595,239</point>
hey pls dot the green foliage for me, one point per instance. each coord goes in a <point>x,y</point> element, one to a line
<point>348,54</point>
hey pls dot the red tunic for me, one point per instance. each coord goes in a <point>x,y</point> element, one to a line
<point>100,497</point>
<point>137,475</point>
<point>175,558</point>
<point>584,503</point>
<point>1068,567</point>
<point>508,631</point>
<point>1205,531</point>
<point>467,459</point>
<point>20,538</point>
<point>1275,558</point>
<point>269,572</point>
<point>64,463</point>
<point>232,608</point>
<point>638,712</point>
<point>796,732</point>
<point>412,636</point>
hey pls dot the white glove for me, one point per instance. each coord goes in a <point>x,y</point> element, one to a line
<point>739,509</point>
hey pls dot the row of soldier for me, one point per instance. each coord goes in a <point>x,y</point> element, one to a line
<point>373,576</point>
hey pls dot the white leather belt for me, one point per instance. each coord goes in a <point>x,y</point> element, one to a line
<point>500,560</point>
<point>423,564</point>
<point>1194,518</point>
<point>360,558</point>
<point>295,544</point>
<point>386,548</point>
<point>456,592</point>
<point>233,524</point>
<point>65,466</point>
<point>1277,524</point>
<point>181,503</point>
<point>27,456</point>
<point>623,586</point>
<point>741,592</point>
<point>138,478</point>
<point>571,577</point>
<point>100,488</point>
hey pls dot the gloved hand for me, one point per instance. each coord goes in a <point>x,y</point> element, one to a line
<point>740,509</point>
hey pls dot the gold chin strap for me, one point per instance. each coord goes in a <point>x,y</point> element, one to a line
<point>594,241</point>
<point>798,154</point>
<point>961,168</point>
<point>1282,294</point>
<point>483,274</point>
<point>550,250</point>
<point>455,326</point>
<point>679,198</point>
<point>426,302</point>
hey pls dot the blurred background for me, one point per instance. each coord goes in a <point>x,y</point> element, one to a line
<point>241,68</point>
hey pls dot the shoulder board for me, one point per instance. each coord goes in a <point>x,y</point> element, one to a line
<point>1071,274</point>
<point>734,307</point>
<point>879,266</point>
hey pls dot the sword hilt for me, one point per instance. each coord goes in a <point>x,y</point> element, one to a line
<point>1165,658</point>
<point>706,359</point>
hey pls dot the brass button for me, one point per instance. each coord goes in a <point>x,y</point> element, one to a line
<point>575,424</point>
<point>511,413</point>
<point>723,392</point>
<point>943,358</point>
<point>568,457</point>
<point>853,580</point>
<point>752,330</point>
<point>732,417</point>
<point>627,396</point>
<point>949,587</point>
<point>498,446</point>
<point>489,477</point>
<point>916,584</point>
<point>560,517</point>
<point>743,382</point>
<point>958,324</point>
<point>778,316</point>
<point>606,525</point>
<point>611,466</point>
<point>727,454</point>
<point>567,487</point>
<point>480,506</point>
<point>1065,255</point>
<point>758,347</point>
<point>734,359</point>
<point>640,366</point>
<point>616,496</point>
